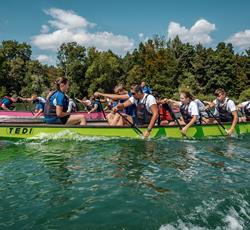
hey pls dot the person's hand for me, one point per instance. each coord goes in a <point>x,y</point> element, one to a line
<point>19,98</point>
<point>96,94</point>
<point>184,130</point>
<point>243,119</point>
<point>146,134</point>
<point>115,109</point>
<point>229,132</point>
<point>164,101</point>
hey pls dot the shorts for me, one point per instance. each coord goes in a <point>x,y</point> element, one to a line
<point>56,120</point>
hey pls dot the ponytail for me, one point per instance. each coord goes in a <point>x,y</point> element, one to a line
<point>60,80</point>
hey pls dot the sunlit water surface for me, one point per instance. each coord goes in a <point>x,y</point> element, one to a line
<point>125,184</point>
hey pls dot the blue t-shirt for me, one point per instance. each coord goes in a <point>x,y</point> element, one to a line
<point>146,90</point>
<point>130,110</point>
<point>98,103</point>
<point>7,102</point>
<point>39,106</point>
<point>59,98</point>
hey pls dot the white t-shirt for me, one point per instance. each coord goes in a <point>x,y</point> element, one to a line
<point>192,109</point>
<point>149,102</point>
<point>41,99</point>
<point>71,106</point>
<point>230,105</point>
<point>200,105</point>
<point>243,104</point>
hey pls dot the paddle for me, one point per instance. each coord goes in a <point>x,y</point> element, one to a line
<point>169,108</point>
<point>131,124</point>
<point>104,115</point>
<point>208,111</point>
<point>218,121</point>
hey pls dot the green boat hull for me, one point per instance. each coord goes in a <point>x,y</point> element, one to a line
<point>41,131</point>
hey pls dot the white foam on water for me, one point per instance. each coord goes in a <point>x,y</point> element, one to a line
<point>233,220</point>
<point>181,226</point>
<point>71,135</point>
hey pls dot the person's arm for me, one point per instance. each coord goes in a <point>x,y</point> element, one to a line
<point>114,97</point>
<point>39,113</point>
<point>211,105</point>
<point>59,111</point>
<point>186,127</point>
<point>154,110</point>
<point>234,122</point>
<point>122,106</point>
<point>173,103</point>
<point>3,106</point>
<point>26,99</point>
<point>94,108</point>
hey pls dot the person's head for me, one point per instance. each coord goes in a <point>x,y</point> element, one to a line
<point>156,94</point>
<point>62,84</point>
<point>143,84</point>
<point>137,92</point>
<point>14,98</point>
<point>220,94</point>
<point>119,89</point>
<point>34,96</point>
<point>186,97</point>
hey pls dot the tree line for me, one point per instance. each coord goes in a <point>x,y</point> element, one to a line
<point>166,66</point>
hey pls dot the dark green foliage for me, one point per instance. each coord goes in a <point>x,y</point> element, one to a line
<point>166,66</point>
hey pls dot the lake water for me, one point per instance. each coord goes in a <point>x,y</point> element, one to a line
<point>125,184</point>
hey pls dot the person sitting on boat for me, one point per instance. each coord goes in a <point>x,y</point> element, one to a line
<point>56,106</point>
<point>96,105</point>
<point>72,107</point>
<point>110,104</point>
<point>39,103</point>
<point>145,88</point>
<point>225,109</point>
<point>120,95</point>
<point>6,103</point>
<point>244,108</point>
<point>86,102</point>
<point>189,110</point>
<point>146,108</point>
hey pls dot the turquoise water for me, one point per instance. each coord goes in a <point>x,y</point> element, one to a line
<point>125,184</point>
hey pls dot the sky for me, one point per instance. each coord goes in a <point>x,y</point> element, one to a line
<point>120,25</point>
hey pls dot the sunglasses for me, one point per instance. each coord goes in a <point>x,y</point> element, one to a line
<point>133,93</point>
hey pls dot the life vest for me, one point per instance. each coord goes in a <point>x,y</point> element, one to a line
<point>224,115</point>
<point>185,114</point>
<point>247,110</point>
<point>50,109</point>
<point>142,114</point>
<point>8,98</point>
<point>164,113</point>
<point>130,110</point>
<point>99,105</point>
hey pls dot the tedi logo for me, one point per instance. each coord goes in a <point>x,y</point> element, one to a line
<point>19,130</point>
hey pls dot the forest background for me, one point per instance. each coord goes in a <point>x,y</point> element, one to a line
<point>166,66</point>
